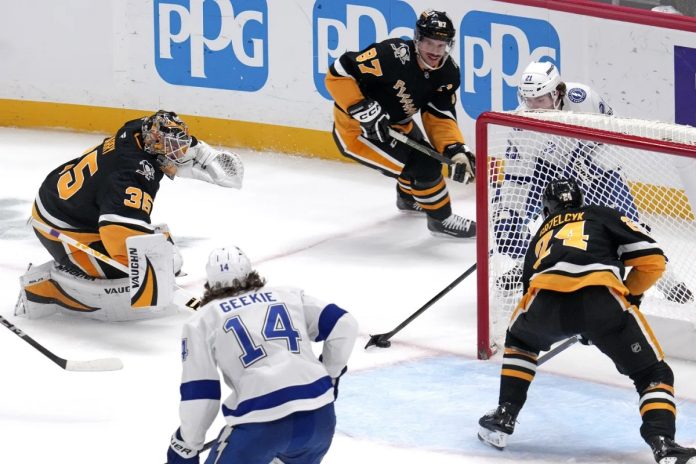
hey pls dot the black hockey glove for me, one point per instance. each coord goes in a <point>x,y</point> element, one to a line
<point>374,121</point>
<point>464,167</point>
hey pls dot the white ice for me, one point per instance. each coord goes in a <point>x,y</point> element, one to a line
<point>333,229</point>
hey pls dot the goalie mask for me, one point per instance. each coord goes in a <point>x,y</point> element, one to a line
<point>167,137</point>
<point>540,87</point>
<point>433,38</point>
<point>560,194</point>
<point>227,267</point>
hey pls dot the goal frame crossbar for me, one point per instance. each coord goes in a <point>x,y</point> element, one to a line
<point>483,168</point>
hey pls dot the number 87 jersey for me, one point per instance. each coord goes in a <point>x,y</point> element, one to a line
<point>261,343</point>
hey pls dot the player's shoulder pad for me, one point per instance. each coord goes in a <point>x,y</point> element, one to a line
<point>449,75</point>
<point>577,92</point>
<point>395,50</point>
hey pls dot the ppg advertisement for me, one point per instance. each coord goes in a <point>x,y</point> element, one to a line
<point>264,61</point>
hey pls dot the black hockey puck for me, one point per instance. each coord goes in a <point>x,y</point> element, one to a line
<point>383,343</point>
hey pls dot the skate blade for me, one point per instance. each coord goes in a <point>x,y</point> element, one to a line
<point>493,438</point>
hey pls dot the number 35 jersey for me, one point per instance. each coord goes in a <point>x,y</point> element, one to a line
<point>105,195</point>
<point>261,342</point>
<point>591,245</point>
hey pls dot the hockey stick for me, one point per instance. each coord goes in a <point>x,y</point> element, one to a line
<point>191,302</point>
<point>557,349</point>
<point>396,135</point>
<point>382,340</point>
<point>95,365</point>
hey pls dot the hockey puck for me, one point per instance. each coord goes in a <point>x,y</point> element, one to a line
<point>383,343</point>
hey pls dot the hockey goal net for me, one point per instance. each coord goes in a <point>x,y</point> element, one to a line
<point>645,169</point>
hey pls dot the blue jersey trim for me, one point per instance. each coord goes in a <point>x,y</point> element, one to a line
<point>200,390</point>
<point>280,397</point>
<point>327,321</point>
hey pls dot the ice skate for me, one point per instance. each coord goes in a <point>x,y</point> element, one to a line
<point>405,205</point>
<point>496,426</point>
<point>453,226</point>
<point>666,451</point>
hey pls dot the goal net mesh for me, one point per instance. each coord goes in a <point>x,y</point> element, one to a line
<point>650,187</point>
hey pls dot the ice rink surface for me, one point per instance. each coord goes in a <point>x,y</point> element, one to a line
<point>333,229</point>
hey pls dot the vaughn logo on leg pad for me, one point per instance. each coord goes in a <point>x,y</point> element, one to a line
<point>143,282</point>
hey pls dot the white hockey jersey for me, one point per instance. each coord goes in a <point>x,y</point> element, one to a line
<point>580,98</point>
<point>261,342</point>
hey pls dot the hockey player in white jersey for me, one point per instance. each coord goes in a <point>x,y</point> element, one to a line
<point>541,88</point>
<point>280,408</point>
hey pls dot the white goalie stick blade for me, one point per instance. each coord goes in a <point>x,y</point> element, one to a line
<point>95,365</point>
<point>493,437</point>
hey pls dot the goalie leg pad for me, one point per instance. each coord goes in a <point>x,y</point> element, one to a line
<point>151,271</point>
<point>50,288</point>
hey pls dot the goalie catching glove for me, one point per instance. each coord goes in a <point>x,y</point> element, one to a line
<point>463,168</point>
<point>215,167</point>
<point>374,121</point>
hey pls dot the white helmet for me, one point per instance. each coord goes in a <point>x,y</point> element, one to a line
<point>538,79</point>
<point>225,265</point>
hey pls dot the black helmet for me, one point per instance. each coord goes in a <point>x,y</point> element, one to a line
<point>561,193</point>
<point>435,25</point>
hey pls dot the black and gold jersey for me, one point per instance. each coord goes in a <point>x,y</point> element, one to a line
<point>105,195</point>
<point>389,73</point>
<point>591,245</point>
<point>117,178</point>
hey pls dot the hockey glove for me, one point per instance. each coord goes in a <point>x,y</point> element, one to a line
<point>374,121</point>
<point>180,452</point>
<point>213,166</point>
<point>464,167</point>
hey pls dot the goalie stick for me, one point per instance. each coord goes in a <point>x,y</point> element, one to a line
<point>189,301</point>
<point>94,365</point>
<point>382,340</point>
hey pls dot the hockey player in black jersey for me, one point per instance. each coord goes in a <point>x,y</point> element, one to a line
<point>106,196</point>
<point>573,285</point>
<point>384,86</point>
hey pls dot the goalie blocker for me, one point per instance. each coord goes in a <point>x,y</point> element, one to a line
<point>147,292</point>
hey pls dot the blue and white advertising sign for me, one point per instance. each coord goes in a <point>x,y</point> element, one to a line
<point>220,44</point>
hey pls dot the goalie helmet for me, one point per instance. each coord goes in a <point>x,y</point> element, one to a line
<point>167,137</point>
<point>227,267</point>
<point>435,25</point>
<point>540,79</point>
<point>561,193</point>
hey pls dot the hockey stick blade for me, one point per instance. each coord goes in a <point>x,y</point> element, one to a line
<point>94,365</point>
<point>379,340</point>
<point>382,340</point>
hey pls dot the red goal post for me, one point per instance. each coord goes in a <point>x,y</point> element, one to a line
<point>624,142</point>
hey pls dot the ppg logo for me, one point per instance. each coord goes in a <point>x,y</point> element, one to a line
<point>495,49</point>
<point>221,44</point>
<point>340,25</point>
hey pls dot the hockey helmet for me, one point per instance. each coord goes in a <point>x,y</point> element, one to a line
<point>165,135</point>
<point>435,25</point>
<point>561,193</point>
<point>227,267</point>
<point>540,79</point>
